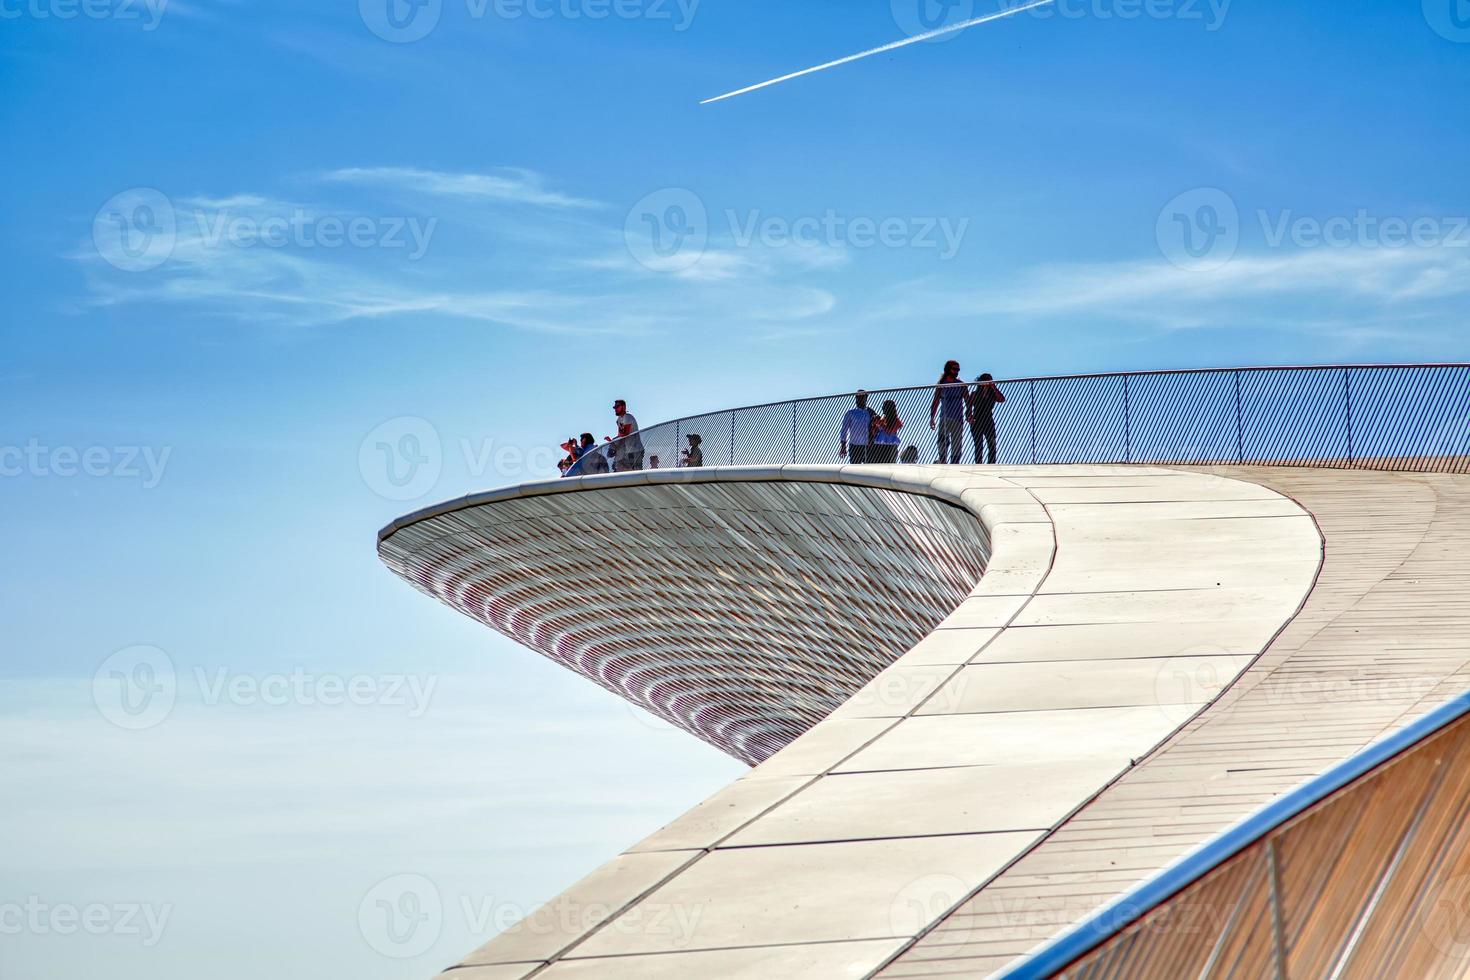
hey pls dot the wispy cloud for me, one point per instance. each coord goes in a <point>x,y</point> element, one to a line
<point>509,185</point>
<point>234,202</point>
<point>724,262</point>
<point>574,277</point>
<point>1368,289</point>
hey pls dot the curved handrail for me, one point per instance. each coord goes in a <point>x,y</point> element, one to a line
<point>1380,416</point>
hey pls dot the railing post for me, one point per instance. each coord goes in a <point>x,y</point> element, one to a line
<point>1347,389</point>
<point>1033,423</point>
<point>793,433</point>
<point>1127,425</point>
<point>1278,915</point>
<point>1239,425</point>
<point>732,438</point>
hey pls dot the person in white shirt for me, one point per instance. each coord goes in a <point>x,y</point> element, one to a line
<point>629,450</point>
<point>857,430</point>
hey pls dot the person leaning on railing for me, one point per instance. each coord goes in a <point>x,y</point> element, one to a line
<point>628,451</point>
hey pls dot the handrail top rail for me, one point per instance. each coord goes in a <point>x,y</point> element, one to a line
<point>1247,369</point>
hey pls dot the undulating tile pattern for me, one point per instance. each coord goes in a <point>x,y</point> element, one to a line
<point>741,612</point>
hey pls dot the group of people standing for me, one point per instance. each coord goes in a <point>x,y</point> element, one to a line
<point>867,436</point>
<point>873,437</point>
<point>956,403</point>
<point>614,456</point>
<point>620,453</point>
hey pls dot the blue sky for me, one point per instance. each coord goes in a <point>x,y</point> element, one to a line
<point>245,242</point>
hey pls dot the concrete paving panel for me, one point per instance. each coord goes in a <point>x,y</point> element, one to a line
<point>984,612</point>
<point>920,802</point>
<point>500,971</point>
<point>897,691</point>
<point>721,814</point>
<point>1166,683</point>
<point>820,961</point>
<point>591,901</point>
<point>1178,606</point>
<point>1189,510</point>
<point>952,646</point>
<point>1118,641</point>
<point>1177,491</point>
<point>821,748</point>
<point>755,896</point>
<point>1109,735</point>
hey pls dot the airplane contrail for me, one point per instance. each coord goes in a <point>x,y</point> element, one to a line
<point>887,47</point>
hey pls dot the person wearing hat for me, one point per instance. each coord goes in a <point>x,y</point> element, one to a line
<point>629,452</point>
<point>693,456</point>
<point>857,430</point>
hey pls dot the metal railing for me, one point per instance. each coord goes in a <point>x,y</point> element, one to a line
<point>1374,416</point>
<point>1361,872</point>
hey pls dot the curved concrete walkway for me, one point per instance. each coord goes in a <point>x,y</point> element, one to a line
<point>1383,638</point>
<point>1117,602</point>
